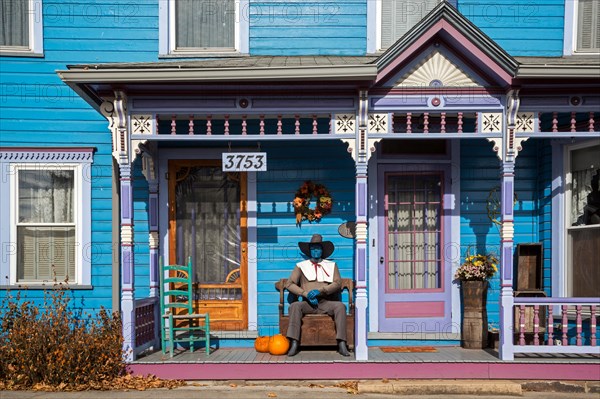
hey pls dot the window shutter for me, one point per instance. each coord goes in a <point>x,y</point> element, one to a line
<point>205,24</point>
<point>46,253</point>
<point>26,242</point>
<point>588,26</point>
<point>398,17</point>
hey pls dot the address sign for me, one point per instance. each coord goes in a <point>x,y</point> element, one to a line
<point>244,161</point>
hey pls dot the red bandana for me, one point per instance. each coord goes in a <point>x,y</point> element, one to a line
<point>322,268</point>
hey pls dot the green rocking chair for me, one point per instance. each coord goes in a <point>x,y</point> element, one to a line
<point>179,323</point>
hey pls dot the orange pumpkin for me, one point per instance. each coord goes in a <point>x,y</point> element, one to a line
<point>278,345</point>
<point>261,344</point>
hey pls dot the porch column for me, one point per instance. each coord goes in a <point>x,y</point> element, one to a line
<point>508,150</point>
<point>116,113</point>
<point>507,230</point>
<point>361,301</point>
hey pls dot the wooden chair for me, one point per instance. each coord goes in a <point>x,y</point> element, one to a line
<point>177,308</point>
<point>318,329</point>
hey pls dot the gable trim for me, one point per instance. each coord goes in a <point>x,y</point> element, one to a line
<point>388,64</point>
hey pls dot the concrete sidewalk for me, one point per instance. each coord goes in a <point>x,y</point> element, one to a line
<point>367,389</point>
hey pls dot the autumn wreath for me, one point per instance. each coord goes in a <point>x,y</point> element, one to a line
<point>302,207</point>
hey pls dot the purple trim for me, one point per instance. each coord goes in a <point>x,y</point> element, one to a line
<point>473,100</point>
<point>362,197</point>
<point>153,265</point>
<point>126,265</point>
<point>402,101</point>
<point>281,370</point>
<point>153,214</point>
<point>362,258</point>
<point>125,201</point>
<point>507,263</point>
<point>508,205</point>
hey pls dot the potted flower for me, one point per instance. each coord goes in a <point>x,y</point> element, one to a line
<point>473,275</point>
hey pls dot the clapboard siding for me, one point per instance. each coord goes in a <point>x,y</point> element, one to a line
<point>308,27</point>
<point>545,211</point>
<point>327,163</point>
<point>480,173</point>
<point>539,23</point>
<point>38,110</point>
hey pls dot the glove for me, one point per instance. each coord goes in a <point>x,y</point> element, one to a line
<point>312,297</point>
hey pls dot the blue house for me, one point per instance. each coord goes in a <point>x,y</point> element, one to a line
<point>131,131</point>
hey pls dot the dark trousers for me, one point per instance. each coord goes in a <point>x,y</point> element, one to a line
<point>336,309</point>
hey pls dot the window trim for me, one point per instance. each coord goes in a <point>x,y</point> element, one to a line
<point>36,34</point>
<point>565,222</point>
<point>14,213</point>
<point>570,30</point>
<point>374,36</point>
<point>166,33</point>
<point>77,159</point>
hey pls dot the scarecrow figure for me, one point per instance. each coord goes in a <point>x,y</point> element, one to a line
<point>317,280</point>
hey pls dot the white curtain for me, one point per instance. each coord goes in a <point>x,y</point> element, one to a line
<point>14,26</point>
<point>581,187</point>
<point>45,226</point>
<point>205,24</point>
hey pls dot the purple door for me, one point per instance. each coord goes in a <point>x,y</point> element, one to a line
<point>414,277</point>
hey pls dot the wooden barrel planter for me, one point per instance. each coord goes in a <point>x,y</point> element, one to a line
<point>474,322</point>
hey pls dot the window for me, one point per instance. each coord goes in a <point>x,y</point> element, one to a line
<point>197,28</point>
<point>46,226</point>
<point>583,222</point>
<point>398,16</point>
<point>21,28</point>
<point>582,27</point>
<point>588,26</point>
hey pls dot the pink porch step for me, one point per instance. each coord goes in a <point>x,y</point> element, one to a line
<point>446,363</point>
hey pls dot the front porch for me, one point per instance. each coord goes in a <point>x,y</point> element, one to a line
<point>444,362</point>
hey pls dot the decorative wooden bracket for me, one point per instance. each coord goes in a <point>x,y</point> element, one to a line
<point>507,148</point>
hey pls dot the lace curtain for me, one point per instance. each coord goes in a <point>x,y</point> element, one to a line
<point>413,231</point>
<point>580,189</point>
<point>46,225</point>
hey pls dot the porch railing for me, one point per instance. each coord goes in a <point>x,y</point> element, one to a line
<point>556,325</point>
<point>146,327</point>
<point>241,126</point>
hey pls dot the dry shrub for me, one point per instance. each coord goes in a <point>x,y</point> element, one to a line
<point>57,346</point>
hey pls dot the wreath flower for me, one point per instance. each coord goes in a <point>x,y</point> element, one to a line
<point>301,202</point>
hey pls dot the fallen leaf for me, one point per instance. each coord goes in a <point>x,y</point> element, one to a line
<point>272,395</point>
<point>316,386</point>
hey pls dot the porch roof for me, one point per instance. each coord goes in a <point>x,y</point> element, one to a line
<point>245,69</point>
<point>578,66</point>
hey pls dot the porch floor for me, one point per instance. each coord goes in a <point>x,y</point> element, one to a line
<point>445,354</point>
<point>446,362</point>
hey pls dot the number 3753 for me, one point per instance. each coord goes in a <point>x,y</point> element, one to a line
<point>244,162</point>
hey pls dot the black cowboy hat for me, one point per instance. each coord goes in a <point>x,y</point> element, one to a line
<point>317,239</point>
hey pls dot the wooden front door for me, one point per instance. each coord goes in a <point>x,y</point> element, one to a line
<point>208,222</point>
<point>414,277</point>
